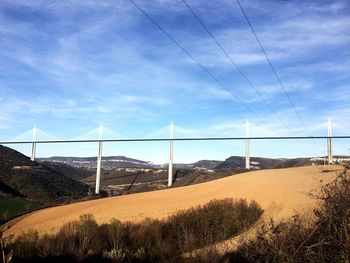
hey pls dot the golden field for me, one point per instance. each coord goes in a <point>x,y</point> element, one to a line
<point>280,192</point>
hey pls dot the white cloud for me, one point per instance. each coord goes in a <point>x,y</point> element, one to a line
<point>114,65</point>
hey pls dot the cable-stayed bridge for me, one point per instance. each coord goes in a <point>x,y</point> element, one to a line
<point>103,134</point>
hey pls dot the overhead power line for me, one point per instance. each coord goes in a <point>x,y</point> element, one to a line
<point>198,63</point>
<point>272,67</point>
<point>235,64</point>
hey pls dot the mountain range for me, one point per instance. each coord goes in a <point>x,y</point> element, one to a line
<point>108,162</point>
<point>233,162</point>
<point>114,162</point>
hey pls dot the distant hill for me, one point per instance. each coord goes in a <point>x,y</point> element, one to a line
<point>235,162</point>
<point>114,162</point>
<point>206,164</point>
<point>199,165</point>
<point>36,182</point>
<point>70,171</point>
<point>108,162</point>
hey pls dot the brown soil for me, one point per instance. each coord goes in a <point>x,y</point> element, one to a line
<point>280,192</point>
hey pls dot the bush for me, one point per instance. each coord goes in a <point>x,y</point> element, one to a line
<point>150,240</point>
<point>326,239</point>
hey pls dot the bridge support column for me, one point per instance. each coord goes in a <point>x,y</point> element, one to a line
<point>247,146</point>
<point>329,143</point>
<point>34,144</point>
<point>99,160</point>
<point>171,155</point>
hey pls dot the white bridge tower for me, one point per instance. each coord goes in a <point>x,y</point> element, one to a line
<point>99,160</point>
<point>329,143</point>
<point>247,146</point>
<point>34,144</point>
<point>171,155</point>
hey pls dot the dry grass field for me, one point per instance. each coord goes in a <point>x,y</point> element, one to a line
<point>280,192</point>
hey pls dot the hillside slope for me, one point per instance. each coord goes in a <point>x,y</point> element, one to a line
<point>235,162</point>
<point>69,171</point>
<point>37,182</point>
<point>255,162</point>
<point>280,192</point>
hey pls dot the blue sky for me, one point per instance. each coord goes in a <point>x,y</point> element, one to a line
<point>68,65</point>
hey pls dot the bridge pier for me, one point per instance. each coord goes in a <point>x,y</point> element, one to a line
<point>99,160</point>
<point>329,143</point>
<point>34,144</point>
<point>171,155</point>
<point>247,146</point>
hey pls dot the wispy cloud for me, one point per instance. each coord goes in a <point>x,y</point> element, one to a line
<point>73,64</point>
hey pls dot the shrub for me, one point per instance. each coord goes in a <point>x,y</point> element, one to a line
<point>325,239</point>
<point>6,253</point>
<point>150,240</point>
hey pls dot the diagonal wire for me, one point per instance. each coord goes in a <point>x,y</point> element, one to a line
<point>198,63</point>
<point>273,68</point>
<point>235,64</point>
